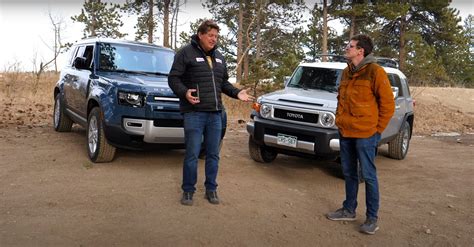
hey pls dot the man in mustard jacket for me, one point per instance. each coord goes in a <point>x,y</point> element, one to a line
<point>365,107</point>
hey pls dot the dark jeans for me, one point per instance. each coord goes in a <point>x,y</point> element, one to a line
<point>362,151</point>
<point>197,124</point>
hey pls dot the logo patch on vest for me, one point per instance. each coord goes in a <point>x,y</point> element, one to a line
<point>218,60</point>
<point>199,59</point>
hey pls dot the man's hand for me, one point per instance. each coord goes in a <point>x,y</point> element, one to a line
<point>244,96</point>
<point>193,100</point>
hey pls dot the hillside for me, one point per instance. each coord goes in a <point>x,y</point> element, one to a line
<point>436,109</point>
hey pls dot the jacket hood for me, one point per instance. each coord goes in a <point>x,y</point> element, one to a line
<point>367,60</point>
<point>195,43</point>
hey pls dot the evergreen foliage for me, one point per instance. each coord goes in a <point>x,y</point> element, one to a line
<point>100,19</point>
<point>264,40</point>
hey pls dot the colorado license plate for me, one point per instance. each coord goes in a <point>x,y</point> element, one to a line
<point>287,140</point>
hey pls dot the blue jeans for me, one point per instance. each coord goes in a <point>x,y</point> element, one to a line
<point>362,151</point>
<point>197,124</point>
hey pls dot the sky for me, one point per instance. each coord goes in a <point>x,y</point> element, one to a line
<point>26,29</point>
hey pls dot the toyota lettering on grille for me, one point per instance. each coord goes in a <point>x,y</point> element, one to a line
<point>305,117</point>
<point>294,115</point>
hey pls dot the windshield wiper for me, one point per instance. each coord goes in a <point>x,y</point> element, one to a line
<point>124,71</point>
<point>135,72</point>
<point>300,86</point>
<point>155,73</point>
<point>328,88</point>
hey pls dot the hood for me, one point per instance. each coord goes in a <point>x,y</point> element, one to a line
<point>368,59</point>
<point>139,83</point>
<point>310,98</point>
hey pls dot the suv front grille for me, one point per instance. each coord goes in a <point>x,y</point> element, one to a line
<point>296,116</point>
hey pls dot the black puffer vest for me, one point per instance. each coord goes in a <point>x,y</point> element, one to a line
<point>191,70</point>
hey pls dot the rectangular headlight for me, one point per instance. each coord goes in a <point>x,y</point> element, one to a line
<point>130,99</point>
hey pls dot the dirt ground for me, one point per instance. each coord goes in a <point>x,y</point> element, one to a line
<point>52,195</point>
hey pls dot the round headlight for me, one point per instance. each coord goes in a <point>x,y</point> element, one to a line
<point>265,111</point>
<point>327,119</point>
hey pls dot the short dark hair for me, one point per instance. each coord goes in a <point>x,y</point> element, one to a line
<point>207,25</point>
<point>364,41</point>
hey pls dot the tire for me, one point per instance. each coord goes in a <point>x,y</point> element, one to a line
<point>61,122</point>
<point>98,148</point>
<point>398,147</point>
<point>260,153</point>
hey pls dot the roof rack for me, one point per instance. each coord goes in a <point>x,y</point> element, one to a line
<point>330,58</point>
<point>382,61</point>
<point>387,62</point>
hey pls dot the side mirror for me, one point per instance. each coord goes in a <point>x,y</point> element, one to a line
<point>395,91</point>
<point>80,63</point>
<point>286,79</point>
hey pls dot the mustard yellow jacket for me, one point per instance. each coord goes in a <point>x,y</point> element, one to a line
<point>365,100</point>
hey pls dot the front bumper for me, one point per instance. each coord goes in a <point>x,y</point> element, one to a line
<point>310,140</point>
<point>152,133</point>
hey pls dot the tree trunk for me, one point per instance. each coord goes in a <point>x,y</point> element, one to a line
<point>150,24</point>
<point>325,30</point>
<point>93,25</point>
<point>166,23</point>
<point>402,43</point>
<point>174,24</point>
<point>258,40</point>
<point>240,34</point>
<point>353,26</point>
<point>248,25</point>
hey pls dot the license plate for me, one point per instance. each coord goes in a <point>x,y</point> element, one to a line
<point>287,140</point>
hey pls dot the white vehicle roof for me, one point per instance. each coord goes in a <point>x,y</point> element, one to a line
<point>327,65</point>
<point>341,65</point>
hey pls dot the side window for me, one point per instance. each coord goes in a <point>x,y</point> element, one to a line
<point>86,52</point>
<point>405,86</point>
<point>72,55</point>
<point>89,54</point>
<point>395,82</point>
<point>80,51</point>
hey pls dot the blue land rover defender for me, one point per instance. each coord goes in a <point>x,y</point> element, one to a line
<point>118,91</point>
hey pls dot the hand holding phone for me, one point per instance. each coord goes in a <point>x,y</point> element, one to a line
<point>192,95</point>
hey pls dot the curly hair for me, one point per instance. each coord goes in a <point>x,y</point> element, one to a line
<point>364,41</point>
<point>206,26</point>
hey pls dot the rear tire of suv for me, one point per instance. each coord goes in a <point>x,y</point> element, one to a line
<point>398,147</point>
<point>97,146</point>
<point>260,153</point>
<point>61,122</point>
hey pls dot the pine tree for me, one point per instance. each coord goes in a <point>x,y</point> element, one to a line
<point>100,19</point>
<point>146,18</point>
<point>264,34</point>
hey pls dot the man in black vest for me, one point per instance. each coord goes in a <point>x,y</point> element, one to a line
<point>198,77</point>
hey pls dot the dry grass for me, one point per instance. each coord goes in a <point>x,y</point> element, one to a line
<point>19,87</point>
<point>436,110</point>
<point>236,109</point>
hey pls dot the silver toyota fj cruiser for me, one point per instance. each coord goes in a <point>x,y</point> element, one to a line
<point>300,119</point>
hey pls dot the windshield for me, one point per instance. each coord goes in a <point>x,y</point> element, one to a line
<point>316,78</point>
<point>134,58</point>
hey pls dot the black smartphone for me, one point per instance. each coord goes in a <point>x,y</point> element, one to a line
<point>196,93</point>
